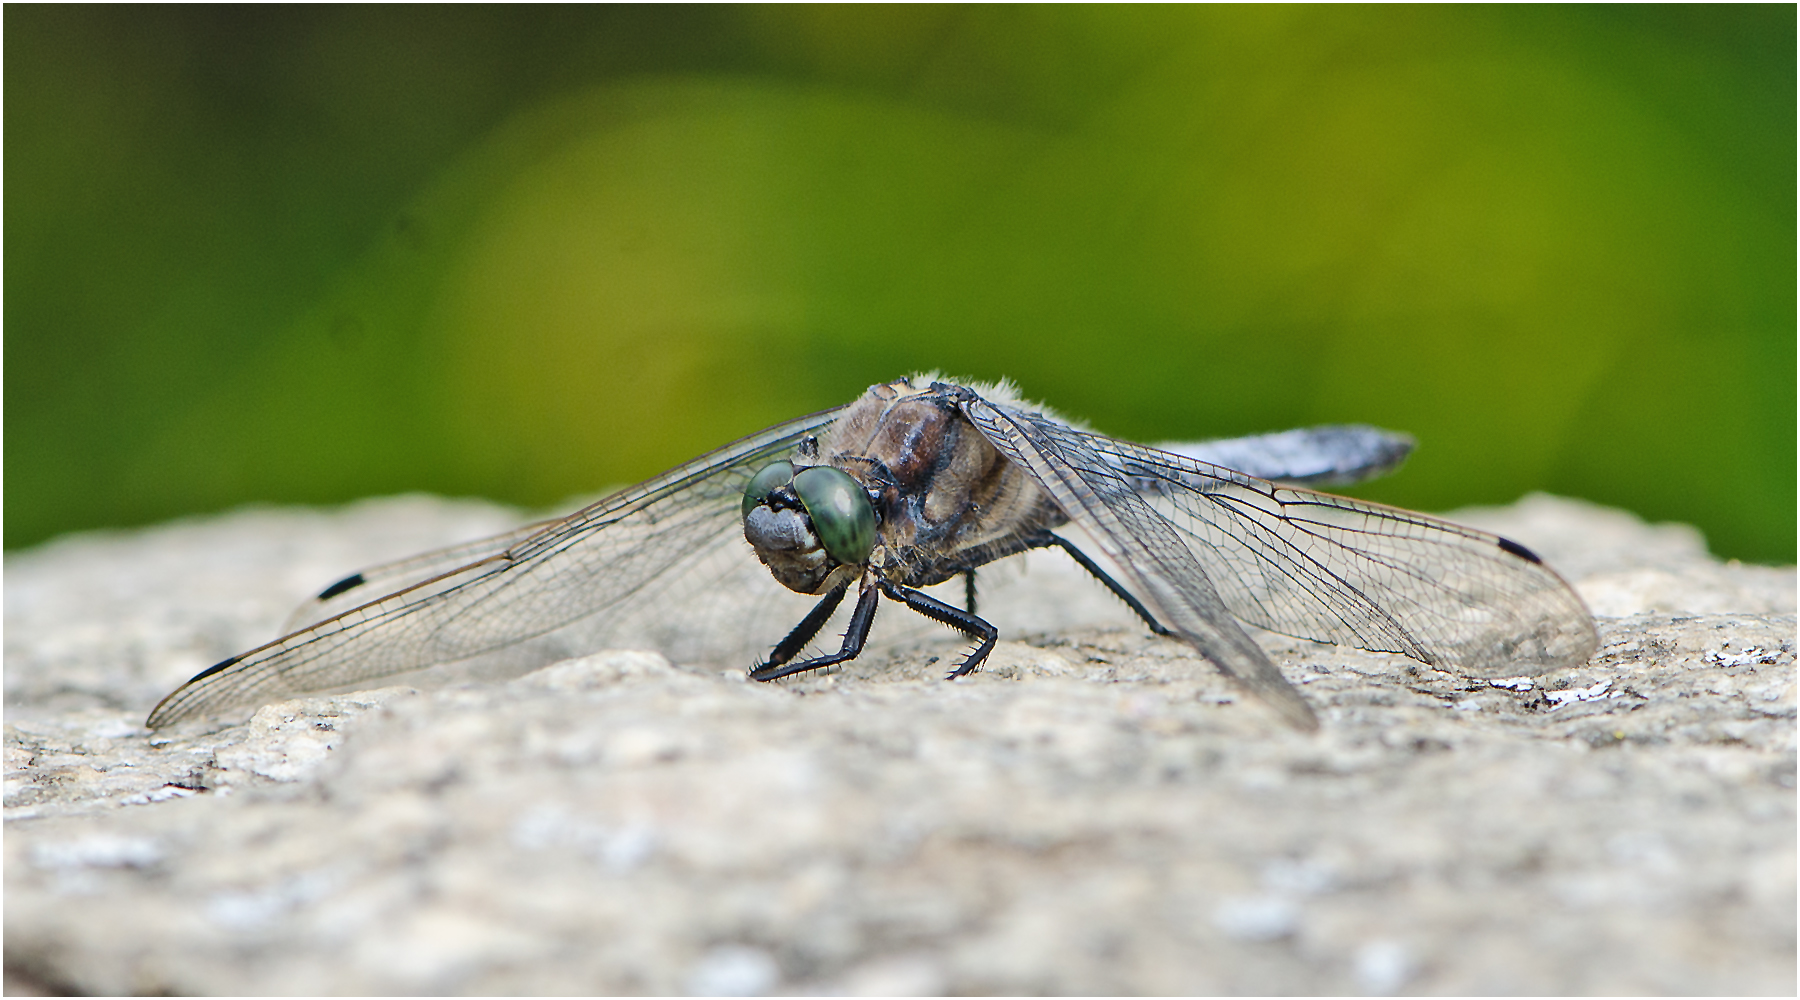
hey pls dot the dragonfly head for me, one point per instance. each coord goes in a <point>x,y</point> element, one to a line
<point>804,524</point>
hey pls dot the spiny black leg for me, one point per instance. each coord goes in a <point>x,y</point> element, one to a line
<point>803,633</point>
<point>969,591</point>
<point>854,637</point>
<point>1057,541</point>
<point>957,619</point>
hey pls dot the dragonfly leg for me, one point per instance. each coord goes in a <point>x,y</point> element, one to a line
<point>854,637</point>
<point>803,633</point>
<point>1058,542</point>
<point>969,591</point>
<point>956,618</point>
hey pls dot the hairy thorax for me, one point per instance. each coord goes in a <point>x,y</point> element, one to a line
<point>942,492</point>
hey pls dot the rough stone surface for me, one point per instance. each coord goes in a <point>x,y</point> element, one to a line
<point>1098,812</point>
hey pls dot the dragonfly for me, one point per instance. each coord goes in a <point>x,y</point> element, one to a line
<point>925,480</point>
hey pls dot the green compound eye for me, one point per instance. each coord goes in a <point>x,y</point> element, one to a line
<point>840,510</point>
<point>766,481</point>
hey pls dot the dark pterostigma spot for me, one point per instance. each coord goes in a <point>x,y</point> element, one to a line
<point>1519,550</point>
<point>356,580</point>
<point>215,668</point>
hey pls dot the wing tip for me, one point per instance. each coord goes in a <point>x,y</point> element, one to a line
<point>209,671</point>
<point>350,582</point>
<point>1510,546</point>
<point>165,711</point>
<point>169,710</point>
<point>1294,711</point>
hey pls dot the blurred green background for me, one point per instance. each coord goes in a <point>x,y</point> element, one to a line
<point>303,255</point>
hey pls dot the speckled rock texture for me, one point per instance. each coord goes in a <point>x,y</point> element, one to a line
<point>1097,812</point>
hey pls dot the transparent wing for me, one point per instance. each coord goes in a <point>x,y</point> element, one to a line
<point>606,561</point>
<point>1332,569</point>
<point>355,590</point>
<point>1300,563</point>
<point>1330,454</point>
<point>1147,550</point>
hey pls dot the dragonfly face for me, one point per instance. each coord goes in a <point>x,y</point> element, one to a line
<point>787,510</point>
<point>921,481</point>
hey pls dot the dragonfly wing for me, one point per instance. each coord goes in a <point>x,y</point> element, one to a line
<point>605,560</point>
<point>1157,563</point>
<point>1332,569</point>
<point>1332,454</point>
<point>355,590</point>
